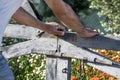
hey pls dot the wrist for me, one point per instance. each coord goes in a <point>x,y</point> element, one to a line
<point>81,30</point>
<point>41,25</point>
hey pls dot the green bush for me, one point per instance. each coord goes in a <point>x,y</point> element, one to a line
<point>110,11</point>
<point>28,67</point>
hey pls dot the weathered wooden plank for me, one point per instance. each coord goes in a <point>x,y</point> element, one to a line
<point>102,42</point>
<point>43,46</point>
<point>63,69</point>
<point>47,47</point>
<point>51,68</point>
<point>114,71</point>
<point>58,68</point>
<point>21,31</point>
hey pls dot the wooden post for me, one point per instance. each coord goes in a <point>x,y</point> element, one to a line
<point>58,68</point>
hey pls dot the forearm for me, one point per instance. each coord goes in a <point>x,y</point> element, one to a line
<point>24,17</point>
<point>65,13</point>
<point>71,19</point>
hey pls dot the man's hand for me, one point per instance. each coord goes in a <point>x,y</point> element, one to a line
<point>54,28</point>
<point>67,16</point>
<point>87,33</point>
<point>24,17</point>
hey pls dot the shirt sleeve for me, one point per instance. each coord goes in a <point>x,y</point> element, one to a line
<point>7,9</point>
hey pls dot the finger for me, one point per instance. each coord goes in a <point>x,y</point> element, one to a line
<point>59,33</point>
<point>60,28</point>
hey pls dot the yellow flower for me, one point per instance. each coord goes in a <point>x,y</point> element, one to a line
<point>77,68</point>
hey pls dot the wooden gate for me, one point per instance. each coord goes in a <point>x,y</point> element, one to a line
<point>60,50</point>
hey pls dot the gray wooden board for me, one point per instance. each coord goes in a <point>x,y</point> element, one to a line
<point>58,68</point>
<point>114,71</point>
<point>102,42</point>
<point>21,31</point>
<point>45,46</point>
<point>51,68</point>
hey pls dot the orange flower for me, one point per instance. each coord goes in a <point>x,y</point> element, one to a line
<point>118,60</point>
<point>94,78</point>
<point>103,75</point>
<point>73,78</point>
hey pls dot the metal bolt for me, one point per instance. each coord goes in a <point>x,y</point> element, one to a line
<point>65,70</point>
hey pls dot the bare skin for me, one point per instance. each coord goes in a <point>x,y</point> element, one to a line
<point>24,17</point>
<point>65,13</point>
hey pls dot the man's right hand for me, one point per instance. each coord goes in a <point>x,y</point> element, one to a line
<point>54,28</point>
